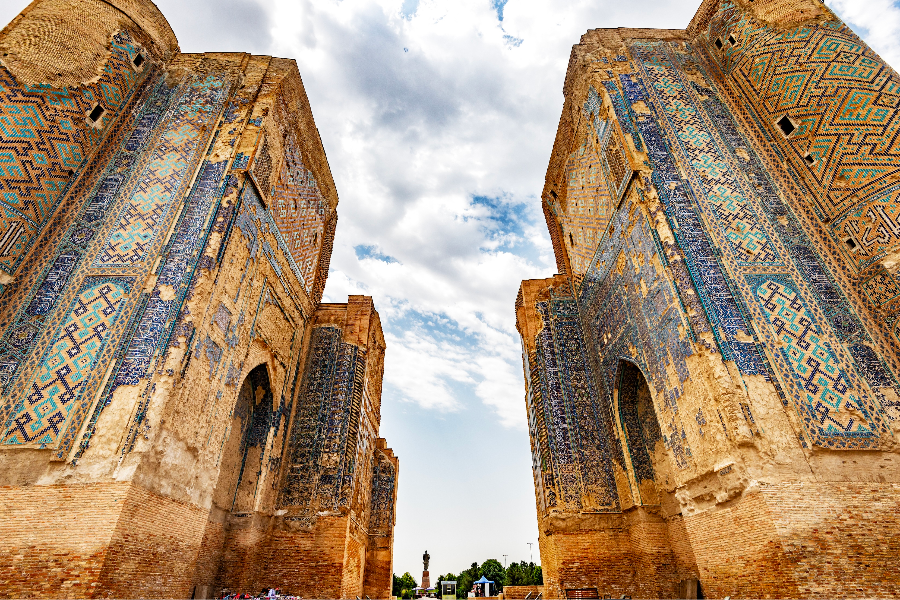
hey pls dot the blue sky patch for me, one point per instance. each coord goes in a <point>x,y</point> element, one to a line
<point>364,252</point>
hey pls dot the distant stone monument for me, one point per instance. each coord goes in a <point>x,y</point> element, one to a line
<point>426,580</point>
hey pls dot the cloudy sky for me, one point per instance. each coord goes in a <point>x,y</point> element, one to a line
<point>438,118</point>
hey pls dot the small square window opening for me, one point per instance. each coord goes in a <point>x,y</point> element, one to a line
<point>810,159</point>
<point>786,126</point>
<point>732,41</point>
<point>138,60</point>
<point>96,113</point>
<point>719,43</point>
<point>851,244</point>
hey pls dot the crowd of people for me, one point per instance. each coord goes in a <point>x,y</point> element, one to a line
<point>265,594</point>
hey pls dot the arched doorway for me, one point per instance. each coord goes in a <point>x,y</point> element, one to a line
<point>242,455</point>
<point>642,436</point>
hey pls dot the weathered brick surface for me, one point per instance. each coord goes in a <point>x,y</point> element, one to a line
<point>86,540</point>
<point>55,538</point>
<point>159,417</point>
<point>712,377</point>
<point>518,592</point>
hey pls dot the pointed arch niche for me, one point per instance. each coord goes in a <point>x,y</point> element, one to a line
<point>242,455</point>
<point>640,433</point>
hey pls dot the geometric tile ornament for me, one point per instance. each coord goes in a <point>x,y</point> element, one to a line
<point>575,470</point>
<point>831,408</point>
<point>56,388</point>
<point>151,168</point>
<point>588,196</point>
<point>299,210</point>
<point>44,141</point>
<point>844,100</point>
<point>754,230</point>
<point>702,253</point>
<point>633,316</point>
<point>57,275</point>
<point>320,471</point>
<point>165,174</point>
<point>384,483</point>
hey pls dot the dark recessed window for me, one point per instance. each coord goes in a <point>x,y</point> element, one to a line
<point>138,60</point>
<point>731,40</point>
<point>851,244</point>
<point>810,159</point>
<point>784,123</point>
<point>96,113</point>
<point>719,43</point>
<point>571,240</point>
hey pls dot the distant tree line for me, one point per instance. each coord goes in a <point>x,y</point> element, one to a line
<point>403,586</point>
<point>520,573</point>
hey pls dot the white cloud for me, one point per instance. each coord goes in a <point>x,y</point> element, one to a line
<point>876,21</point>
<point>423,108</point>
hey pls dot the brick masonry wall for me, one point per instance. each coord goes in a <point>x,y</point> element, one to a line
<point>354,562</point>
<point>378,579</point>
<point>244,554</point>
<point>111,539</point>
<point>628,554</point>
<point>725,218</point>
<point>209,559</point>
<point>233,277</point>
<point>153,550</point>
<point>518,592</point>
<point>55,538</point>
<point>802,540</point>
<point>307,563</point>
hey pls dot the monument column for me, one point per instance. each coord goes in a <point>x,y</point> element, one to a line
<point>426,580</point>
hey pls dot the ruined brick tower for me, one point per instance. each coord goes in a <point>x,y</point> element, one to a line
<point>179,412</point>
<point>711,380</point>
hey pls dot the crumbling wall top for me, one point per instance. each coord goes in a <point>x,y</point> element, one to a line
<point>65,43</point>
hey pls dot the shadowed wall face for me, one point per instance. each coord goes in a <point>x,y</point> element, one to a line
<point>641,429</point>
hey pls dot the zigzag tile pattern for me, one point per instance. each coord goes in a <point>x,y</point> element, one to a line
<point>165,176</point>
<point>708,141</point>
<point>44,141</point>
<point>165,141</point>
<point>78,240</point>
<point>58,385</point>
<point>846,104</point>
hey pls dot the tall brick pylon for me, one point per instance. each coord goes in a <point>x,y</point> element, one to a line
<point>712,377</point>
<point>180,412</point>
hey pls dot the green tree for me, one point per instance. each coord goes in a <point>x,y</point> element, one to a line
<point>466,579</point>
<point>515,575</point>
<point>523,573</point>
<point>403,586</point>
<point>493,570</point>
